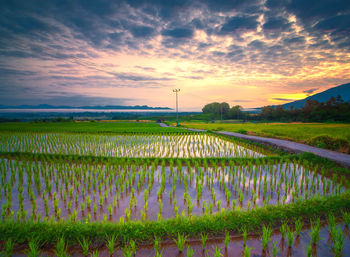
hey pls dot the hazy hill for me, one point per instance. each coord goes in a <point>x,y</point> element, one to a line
<point>114,107</point>
<point>342,90</point>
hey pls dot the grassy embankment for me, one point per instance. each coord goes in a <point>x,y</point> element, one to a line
<point>329,136</point>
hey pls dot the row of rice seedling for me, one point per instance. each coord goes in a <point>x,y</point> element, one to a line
<point>180,146</point>
<point>123,191</point>
<point>272,242</point>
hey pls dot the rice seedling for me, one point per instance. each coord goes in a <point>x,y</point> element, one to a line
<point>95,253</point>
<point>111,244</point>
<point>346,218</point>
<point>298,227</point>
<point>84,244</point>
<point>331,220</point>
<point>227,239</point>
<point>157,244</point>
<point>245,236</point>
<point>61,248</point>
<point>309,250</point>
<point>33,248</point>
<point>275,249</point>
<point>127,252</point>
<point>315,231</point>
<point>180,241</point>
<point>132,246</point>
<point>247,250</point>
<point>159,253</point>
<point>189,252</point>
<point>8,248</point>
<point>204,238</point>
<point>338,243</point>
<point>217,252</point>
<point>283,229</point>
<point>290,237</point>
<point>266,237</point>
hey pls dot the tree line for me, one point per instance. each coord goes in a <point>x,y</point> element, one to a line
<point>335,109</point>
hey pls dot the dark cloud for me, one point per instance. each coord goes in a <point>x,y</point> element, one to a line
<point>116,37</point>
<point>228,5</point>
<point>136,77</point>
<point>274,24</point>
<point>313,10</point>
<point>145,68</point>
<point>142,31</point>
<point>282,99</point>
<point>61,98</point>
<point>310,91</point>
<point>5,72</point>
<point>239,24</point>
<point>256,44</point>
<point>337,24</point>
<point>300,40</point>
<point>178,32</point>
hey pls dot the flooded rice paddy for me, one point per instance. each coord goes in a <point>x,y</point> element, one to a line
<point>148,189</point>
<point>179,146</point>
<point>151,191</point>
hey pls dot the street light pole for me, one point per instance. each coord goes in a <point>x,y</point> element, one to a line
<point>177,114</point>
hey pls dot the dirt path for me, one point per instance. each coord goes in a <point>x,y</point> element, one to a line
<point>341,158</point>
<point>163,125</point>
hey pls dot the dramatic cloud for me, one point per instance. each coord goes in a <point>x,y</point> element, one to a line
<point>139,50</point>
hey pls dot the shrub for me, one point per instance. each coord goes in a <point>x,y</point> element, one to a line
<point>242,131</point>
<point>330,143</point>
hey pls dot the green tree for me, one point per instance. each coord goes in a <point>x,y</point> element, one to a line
<point>235,112</point>
<point>217,110</point>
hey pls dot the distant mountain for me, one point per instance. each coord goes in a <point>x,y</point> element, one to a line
<point>105,107</point>
<point>342,90</point>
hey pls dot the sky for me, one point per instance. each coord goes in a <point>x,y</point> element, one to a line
<point>251,53</point>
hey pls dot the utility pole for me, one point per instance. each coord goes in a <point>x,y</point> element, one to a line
<point>177,113</point>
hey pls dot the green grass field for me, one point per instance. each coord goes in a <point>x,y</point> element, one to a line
<point>88,127</point>
<point>299,132</point>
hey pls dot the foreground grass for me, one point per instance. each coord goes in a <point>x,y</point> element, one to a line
<point>300,132</point>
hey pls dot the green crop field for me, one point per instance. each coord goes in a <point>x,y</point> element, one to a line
<point>136,189</point>
<point>308,133</point>
<point>88,127</point>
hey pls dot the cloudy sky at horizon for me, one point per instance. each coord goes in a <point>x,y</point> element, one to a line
<point>252,53</point>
